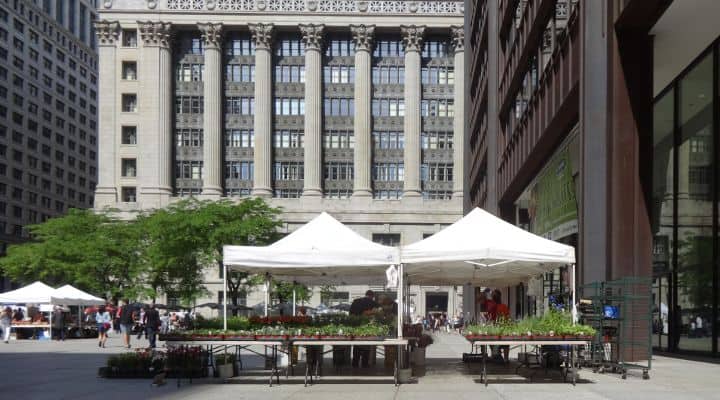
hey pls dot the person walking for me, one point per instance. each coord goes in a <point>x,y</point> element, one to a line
<point>152,324</point>
<point>126,322</point>
<point>102,319</point>
<point>141,324</point>
<point>6,323</point>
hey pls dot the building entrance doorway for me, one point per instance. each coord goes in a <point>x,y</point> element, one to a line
<point>436,303</point>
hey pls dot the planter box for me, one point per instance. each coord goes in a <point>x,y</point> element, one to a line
<point>239,338</point>
<point>368,338</point>
<point>272,337</point>
<point>335,337</point>
<point>225,371</point>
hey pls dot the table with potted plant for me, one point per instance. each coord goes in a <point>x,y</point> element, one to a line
<point>552,329</point>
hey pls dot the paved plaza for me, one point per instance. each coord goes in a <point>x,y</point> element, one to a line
<point>68,370</point>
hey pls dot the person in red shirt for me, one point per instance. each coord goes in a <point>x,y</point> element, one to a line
<point>498,313</point>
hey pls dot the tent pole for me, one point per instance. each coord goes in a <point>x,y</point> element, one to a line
<point>50,319</point>
<point>225,297</point>
<point>294,302</point>
<point>572,296</point>
<point>401,301</point>
<point>267,293</point>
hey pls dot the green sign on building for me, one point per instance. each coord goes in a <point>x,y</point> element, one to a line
<point>553,206</point>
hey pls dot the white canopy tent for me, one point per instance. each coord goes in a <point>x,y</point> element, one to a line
<point>34,293</point>
<point>481,248</point>
<point>70,295</point>
<point>321,251</point>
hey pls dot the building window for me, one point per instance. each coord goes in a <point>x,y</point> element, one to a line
<point>129,135</point>
<point>240,73</point>
<point>388,108</point>
<point>339,171</point>
<point>240,105</point>
<point>388,74</point>
<point>129,167</point>
<point>436,140</point>
<point>289,106</point>
<point>288,171</point>
<point>129,38</point>
<point>129,70</point>
<point>386,239</point>
<point>436,172</point>
<point>388,47</point>
<point>287,193</point>
<point>341,139</point>
<point>437,108</point>
<point>436,48</point>
<point>189,72</point>
<point>189,105</point>
<point>339,107</point>
<point>388,140</point>
<point>188,169</point>
<point>438,75</point>
<point>129,102</point>
<point>290,73</point>
<point>289,46</point>
<point>240,138</point>
<point>339,74</point>
<point>240,47</point>
<point>288,139</point>
<point>338,193</point>
<point>243,170</point>
<point>385,172</point>
<point>128,194</point>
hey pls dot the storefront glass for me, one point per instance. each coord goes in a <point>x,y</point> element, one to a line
<point>662,215</point>
<point>685,254</point>
<point>695,206</point>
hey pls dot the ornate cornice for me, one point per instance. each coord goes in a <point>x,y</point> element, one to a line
<point>312,36</point>
<point>412,37</point>
<point>107,32</point>
<point>211,34</point>
<point>382,7</point>
<point>155,34</point>
<point>458,38</point>
<point>262,34</point>
<point>363,36</point>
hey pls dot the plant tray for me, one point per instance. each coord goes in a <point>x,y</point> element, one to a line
<point>302,337</point>
<point>368,338</point>
<point>237,338</point>
<point>172,338</point>
<point>271,337</point>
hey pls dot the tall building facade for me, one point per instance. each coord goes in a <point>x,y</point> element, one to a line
<point>48,112</point>
<point>351,107</point>
<point>595,123</point>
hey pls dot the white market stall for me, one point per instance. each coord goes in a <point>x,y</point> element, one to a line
<point>321,251</point>
<point>481,248</point>
<point>34,293</point>
<point>70,295</point>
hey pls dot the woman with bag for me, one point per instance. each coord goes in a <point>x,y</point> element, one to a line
<point>102,318</point>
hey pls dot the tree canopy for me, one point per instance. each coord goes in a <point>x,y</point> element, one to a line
<point>161,251</point>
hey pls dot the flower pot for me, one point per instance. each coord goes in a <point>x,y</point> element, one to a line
<point>418,356</point>
<point>225,371</point>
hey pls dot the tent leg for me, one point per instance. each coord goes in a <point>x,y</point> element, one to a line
<point>294,296</point>
<point>401,301</point>
<point>267,294</point>
<point>572,295</point>
<point>225,297</point>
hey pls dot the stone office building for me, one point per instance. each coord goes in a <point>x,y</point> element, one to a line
<point>351,107</point>
<point>48,114</point>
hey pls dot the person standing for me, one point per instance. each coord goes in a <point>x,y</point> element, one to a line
<point>126,322</point>
<point>102,319</point>
<point>359,307</point>
<point>152,323</point>
<point>58,322</point>
<point>6,323</point>
<point>141,322</point>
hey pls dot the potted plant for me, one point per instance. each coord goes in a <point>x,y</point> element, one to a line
<point>369,332</point>
<point>239,335</point>
<point>225,365</point>
<point>418,353</point>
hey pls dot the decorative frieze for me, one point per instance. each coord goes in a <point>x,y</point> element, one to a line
<point>155,33</point>
<point>363,36</point>
<point>211,34</point>
<point>450,7</point>
<point>312,35</point>
<point>412,37</point>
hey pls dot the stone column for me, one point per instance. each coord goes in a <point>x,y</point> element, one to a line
<point>313,38</point>
<point>212,118</point>
<point>363,37</point>
<point>413,41</point>
<point>106,192</point>
<point>155,107</point>
<point>263,37</point>
<point>458,42</point>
